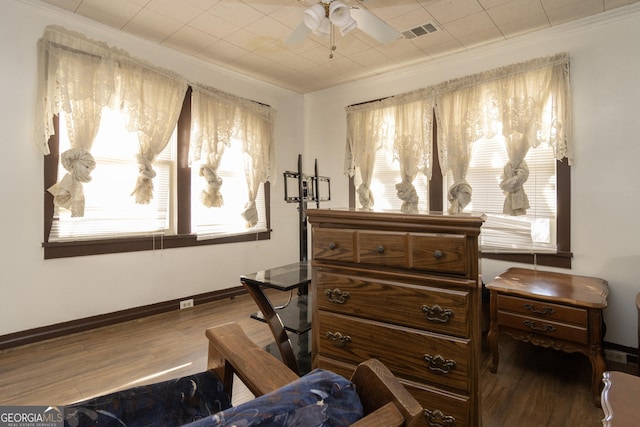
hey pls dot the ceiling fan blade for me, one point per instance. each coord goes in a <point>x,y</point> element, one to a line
<point>374,26</point>
<point>298,35</point>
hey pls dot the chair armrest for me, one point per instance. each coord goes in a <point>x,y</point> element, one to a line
<point>377,386</point>
<point>231,351</point>
<point>385,416</point>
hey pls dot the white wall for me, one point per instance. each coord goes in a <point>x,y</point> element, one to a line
<point>605,66</point>
<point>35,292</point>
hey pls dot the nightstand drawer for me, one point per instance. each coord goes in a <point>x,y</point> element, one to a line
<point>546,327</point>
<point>439,253</point>
<point>408,353</point>
<point>382,248</point>
<point>543,310</point>
<point>333,244</point>
<point>424,307</point>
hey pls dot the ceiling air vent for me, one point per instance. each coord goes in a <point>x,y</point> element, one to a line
<point>419,31</point>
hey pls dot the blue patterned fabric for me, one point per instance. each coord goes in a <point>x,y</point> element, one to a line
<point>169,403</point>
<point>320,398</point>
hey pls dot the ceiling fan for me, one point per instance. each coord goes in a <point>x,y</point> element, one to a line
<point>324,16</point>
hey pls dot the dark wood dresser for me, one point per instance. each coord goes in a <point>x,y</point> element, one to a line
<point>404,289</point>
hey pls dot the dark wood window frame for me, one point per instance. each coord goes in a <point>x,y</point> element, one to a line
<point>561,258</point>
<point>183,238</point>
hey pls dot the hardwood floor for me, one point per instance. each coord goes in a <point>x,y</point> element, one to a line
<point>533,387</point>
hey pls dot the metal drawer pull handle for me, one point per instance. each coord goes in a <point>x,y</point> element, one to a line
<point>438,254</point>
<point>437,419</point>
<point>532,308</point>
<point>338,339</point>
<point>337,296</point>
<point>332,246</point>
<point>380,249</point>
<point>437,313</point>
<point>439,364</point>
<point>544,328</point>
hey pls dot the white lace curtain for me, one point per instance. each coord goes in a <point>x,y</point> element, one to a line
<point>216,119</point>
<point>78,77</point>
<point>406,121</point>
<point>531,100</point>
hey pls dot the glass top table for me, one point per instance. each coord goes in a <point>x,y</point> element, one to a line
<point>292,317</point>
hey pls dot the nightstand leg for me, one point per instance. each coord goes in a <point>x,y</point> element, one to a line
<point>494,331</point>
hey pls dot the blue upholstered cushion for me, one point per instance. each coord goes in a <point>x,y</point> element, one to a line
<point>169,403</point>
<point>320,398</point>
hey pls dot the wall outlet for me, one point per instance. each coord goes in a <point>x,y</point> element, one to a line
<point>187,303</point>
<point>616,356</point>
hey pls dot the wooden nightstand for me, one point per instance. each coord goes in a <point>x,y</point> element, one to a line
<point>560,311</point>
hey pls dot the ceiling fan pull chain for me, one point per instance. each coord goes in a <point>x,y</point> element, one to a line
<point>332,41</point>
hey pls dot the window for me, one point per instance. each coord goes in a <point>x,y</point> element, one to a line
<point>120,179</point>
<point>503,139</point>
<point>175,216</point>
<point>110,209</point>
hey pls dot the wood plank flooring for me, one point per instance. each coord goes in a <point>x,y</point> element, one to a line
<point>534,387</point>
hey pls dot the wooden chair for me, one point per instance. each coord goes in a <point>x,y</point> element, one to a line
<point>385,401</point>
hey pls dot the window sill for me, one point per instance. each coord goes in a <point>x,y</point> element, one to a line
<point>134,244</point>
<point>558,259</point>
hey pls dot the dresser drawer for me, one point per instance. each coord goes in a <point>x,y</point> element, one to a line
<point>546,327</point>
<point>333,244</point>
<point>543,310</point>
<point>418,306</point>
<point>380,248</point>
<point>442,406</point>
<point>442,253</point>
<point>408,353</point>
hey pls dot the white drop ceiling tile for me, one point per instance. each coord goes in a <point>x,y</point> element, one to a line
<point>250,62</point>
<point>574,11</point>
<point>612,4</point>
<point>370,57</point>
<point>213,25</point>
<point>178,10</point>
<point>189,39</point>
<point>268,7</point>
<point>269,28</point>
<point>531,23</point>
<point>349,45</point>
<point>468,25</point>
<point>235,11</point>
<point>274,52</point>
<point>152,25</point>
<point>299,63</point>
<point>480,38</point>
<point>437,44</point>
<point>71,5</point>
<point>222,51</point>
<point>114,13</point>
<point>202,4</point>
<point>290,14</point>
<point>516,10</point>
<point>449,10</point>
<point>246,40</point>
<point>411,20</point>
<point>488,4</point>
<point>320,53</point>
<point>399,48</point>
<point>388,10</point>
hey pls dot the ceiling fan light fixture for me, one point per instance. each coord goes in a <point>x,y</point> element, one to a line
<point>314,16</point>
<point>339,14</point>
<point>324,29</point>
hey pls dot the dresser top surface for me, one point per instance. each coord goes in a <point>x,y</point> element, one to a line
<point>560,287</point>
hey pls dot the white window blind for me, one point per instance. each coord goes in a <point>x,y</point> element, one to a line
<point>110,209</point>
<point>226,220</point>
<point>533,232</point>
